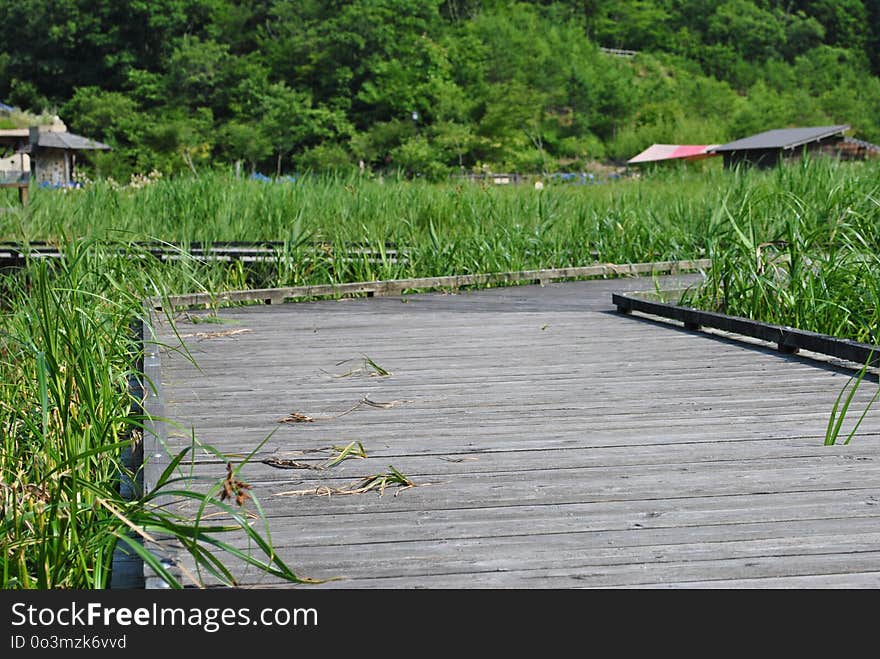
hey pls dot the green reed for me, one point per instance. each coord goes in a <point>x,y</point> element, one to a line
<point>67,414</point>
<point>804,253</point>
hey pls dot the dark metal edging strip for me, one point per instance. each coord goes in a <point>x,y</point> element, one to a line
<point>145,458</point>
<point>155,452</point>
<point>127,571</point>
<point>787,339</point>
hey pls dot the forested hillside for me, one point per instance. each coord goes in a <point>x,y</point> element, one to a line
<point>433,87</point>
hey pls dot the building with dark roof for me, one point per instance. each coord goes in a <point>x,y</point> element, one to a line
<point>45,155</point>
<point>771,147</point>
<point>53,155</point>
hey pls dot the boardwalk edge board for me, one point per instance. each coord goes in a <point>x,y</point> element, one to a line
<point>398,286</point>
<point>128,568</point>
<point>150,458</point>
<point>788,340</point>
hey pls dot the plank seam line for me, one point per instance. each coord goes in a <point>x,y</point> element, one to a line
<point>732,580</point>
<point>441,456</point>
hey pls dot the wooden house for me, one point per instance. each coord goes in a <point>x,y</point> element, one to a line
<point>44,155</point>
<point>53,155</point>
<point>772,147</point>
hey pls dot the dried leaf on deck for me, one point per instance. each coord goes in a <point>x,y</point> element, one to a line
<point>296,417</point>
<point>215,335</point>
<point>375,483</point>
<point>282,463</point>
<point>383,406</point>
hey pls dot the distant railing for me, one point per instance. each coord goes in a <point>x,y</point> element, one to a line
<point>18,254</point>
<point>497,179</point>
<point>619,52</point>
<point>582,178</point>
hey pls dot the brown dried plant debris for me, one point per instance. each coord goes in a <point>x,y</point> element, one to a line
<point>338,453</point>
<point>24,493</point>
<point>234,488</point>
<point>374,483</point>
<point>215,335</point>
<point>285,463</point>
<point>296,417</point>
<point>299,417</point>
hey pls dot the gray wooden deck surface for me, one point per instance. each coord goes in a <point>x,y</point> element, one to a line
<point>556,444</point>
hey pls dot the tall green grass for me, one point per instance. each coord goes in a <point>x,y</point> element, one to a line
<point>66,415</point>
<point>440,229</point>
<point>464,227</point>
<point>804,253</point>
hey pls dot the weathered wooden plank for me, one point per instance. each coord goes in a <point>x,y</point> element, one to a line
<point>600,525</point>
<point>581,570</point>
<point>262,405</point>
<point>846,581</point>
<point>639,575</point>
<point>608,550</point>
<point>556,486</point>
<point>447,474</point>
<point>525,457</point>
<point>459,437</point>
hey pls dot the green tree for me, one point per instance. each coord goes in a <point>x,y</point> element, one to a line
<point>290,121</point>
<point>248,142</point>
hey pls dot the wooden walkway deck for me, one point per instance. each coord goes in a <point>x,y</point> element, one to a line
<point>556,442</point>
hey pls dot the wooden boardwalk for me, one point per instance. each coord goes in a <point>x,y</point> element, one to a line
<point>556,443</point>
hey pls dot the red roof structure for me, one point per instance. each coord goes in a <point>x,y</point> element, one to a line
<point>661,152</point>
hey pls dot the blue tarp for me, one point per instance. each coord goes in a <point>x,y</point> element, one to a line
<point>59,186</point>
<point>257,176</point>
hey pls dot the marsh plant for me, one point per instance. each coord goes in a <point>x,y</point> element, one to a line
<point>67,415</point>
<point>791,259</point>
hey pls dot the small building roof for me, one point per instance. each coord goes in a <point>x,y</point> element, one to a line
<point>6,108</point>
<point>782,138</point>
<point>659,152</point>
<point>13,138</point>
<point>53,140</point>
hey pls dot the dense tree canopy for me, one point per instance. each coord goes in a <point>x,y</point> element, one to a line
<point>432,86</point>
